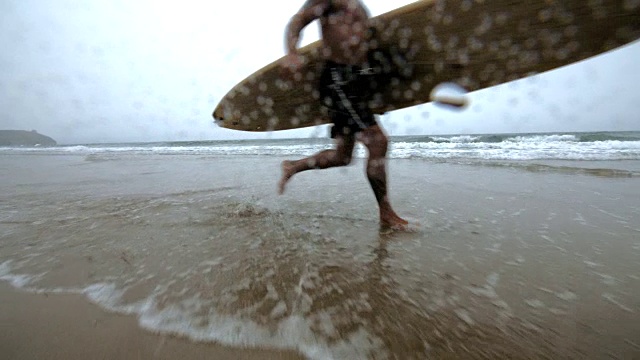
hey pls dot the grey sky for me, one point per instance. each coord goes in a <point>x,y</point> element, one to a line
<point>116,71</point>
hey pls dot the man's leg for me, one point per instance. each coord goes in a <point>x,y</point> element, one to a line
<point>340,156</point>
<point>376,142</point>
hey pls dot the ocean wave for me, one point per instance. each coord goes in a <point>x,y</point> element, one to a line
<point>541,139</point>
<point>578,146</point>
<point>527,138</point>
<point>595,137</point>
<point>516,149</point>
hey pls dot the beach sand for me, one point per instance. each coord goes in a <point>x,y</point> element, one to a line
<point>526,261</point>
<point>68,327</point>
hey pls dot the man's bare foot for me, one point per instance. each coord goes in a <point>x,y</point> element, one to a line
<point>287,173</point>
<point>396,224</point>
<point>390,220</point>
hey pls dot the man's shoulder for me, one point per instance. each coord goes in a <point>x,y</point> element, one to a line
<point>310,3</point>
<point>320,8</point>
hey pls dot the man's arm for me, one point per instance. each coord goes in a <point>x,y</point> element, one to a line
<point>311,10</point>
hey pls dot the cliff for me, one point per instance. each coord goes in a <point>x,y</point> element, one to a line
<point>24,138</point>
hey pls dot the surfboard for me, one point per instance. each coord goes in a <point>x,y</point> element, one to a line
<point>473,43</point>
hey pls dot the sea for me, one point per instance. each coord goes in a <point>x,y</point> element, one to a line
<point>570,146</point>
<point>609,154</point>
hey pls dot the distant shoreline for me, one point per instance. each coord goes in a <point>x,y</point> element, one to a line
<point>24,138</point>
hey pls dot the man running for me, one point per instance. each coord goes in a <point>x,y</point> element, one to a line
<point>343,90</point>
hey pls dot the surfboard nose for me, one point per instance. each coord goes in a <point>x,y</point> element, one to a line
<point>217,114</point>
<point>224,117</point>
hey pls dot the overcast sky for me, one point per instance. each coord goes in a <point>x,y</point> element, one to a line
<point>116,71</point>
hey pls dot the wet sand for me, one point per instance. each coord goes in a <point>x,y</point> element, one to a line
<point>67,327</point>
<point>508,261</point>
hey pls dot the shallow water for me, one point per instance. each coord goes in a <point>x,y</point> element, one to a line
<point>506,261</point>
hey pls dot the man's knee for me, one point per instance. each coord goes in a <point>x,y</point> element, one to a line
<point>381,139</point>
<point>374,136</point>
<point>376,142</point>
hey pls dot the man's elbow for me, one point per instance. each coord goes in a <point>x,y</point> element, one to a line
<point>296,24</point>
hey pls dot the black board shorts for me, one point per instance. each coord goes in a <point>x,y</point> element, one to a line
<point>344,90</point>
